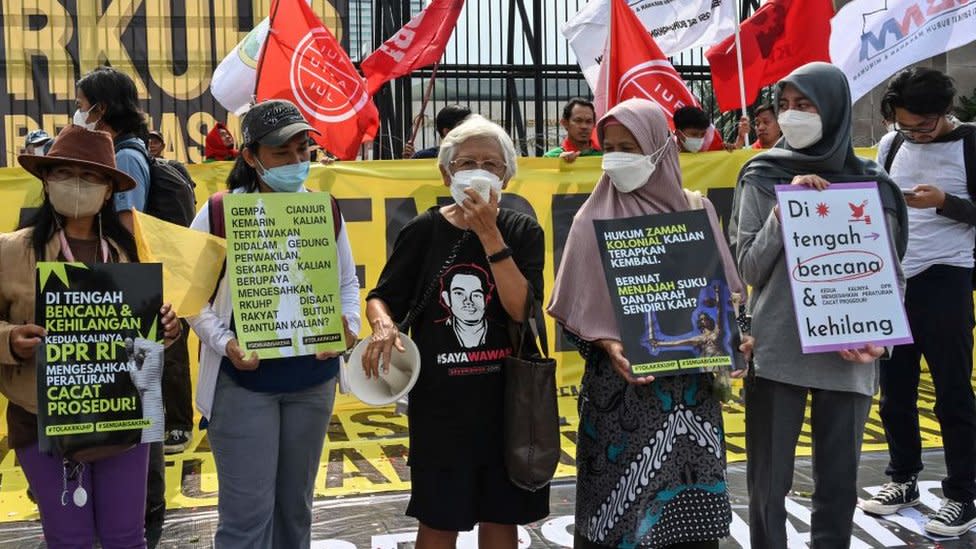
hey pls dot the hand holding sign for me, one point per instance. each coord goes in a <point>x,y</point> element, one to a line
<point>615,351</point>
<point>25,339</point>
<point>239,359</point>
<point>171,324</point>
<point>865,355</point>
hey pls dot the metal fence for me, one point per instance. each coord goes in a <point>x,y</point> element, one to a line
<point>506,60</point>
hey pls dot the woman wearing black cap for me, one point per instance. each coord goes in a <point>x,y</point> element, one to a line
<point>76,222</point>
<point>267,418</point>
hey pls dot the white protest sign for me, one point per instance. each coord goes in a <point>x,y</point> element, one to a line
<point>842,267</point>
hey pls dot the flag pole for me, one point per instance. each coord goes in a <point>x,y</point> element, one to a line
<point>264,46</point>
<point>738,61</point>
<point>417,120</point>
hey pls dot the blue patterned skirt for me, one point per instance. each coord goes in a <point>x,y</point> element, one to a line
<point>650,460</point>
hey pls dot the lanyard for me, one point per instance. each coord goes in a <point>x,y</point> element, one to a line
<point>70,257</point>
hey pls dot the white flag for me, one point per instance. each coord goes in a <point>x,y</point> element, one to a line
<point>233,82</point>
<point>871,40</point>
<point>676,25</point>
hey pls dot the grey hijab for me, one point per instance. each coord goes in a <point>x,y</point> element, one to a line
<point>832,157</point>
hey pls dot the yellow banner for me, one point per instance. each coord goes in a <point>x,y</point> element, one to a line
<point>366,447</point>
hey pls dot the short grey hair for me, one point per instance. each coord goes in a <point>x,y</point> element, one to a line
<point>476,125</point>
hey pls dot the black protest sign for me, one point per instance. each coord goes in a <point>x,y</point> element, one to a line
<point>674,309</point>
<point>100,365</point>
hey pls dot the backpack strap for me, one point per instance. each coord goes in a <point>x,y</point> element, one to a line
<point>126,144</point>
<point>215,213</point>
<point>896,144</point>
<point>336,218</point>
<point>969,158</point>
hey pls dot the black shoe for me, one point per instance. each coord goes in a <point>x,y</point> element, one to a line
<point>892,497</point>
<point>176,441</point>
<point>954,518</point>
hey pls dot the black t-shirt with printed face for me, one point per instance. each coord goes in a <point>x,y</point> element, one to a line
<point>456,406</point>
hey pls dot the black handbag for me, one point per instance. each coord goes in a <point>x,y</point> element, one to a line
<point>531,416</point>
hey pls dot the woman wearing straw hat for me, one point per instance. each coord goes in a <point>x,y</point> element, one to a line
<point>76,222</point>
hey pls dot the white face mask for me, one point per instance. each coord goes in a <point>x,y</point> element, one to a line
<point>694,144</point>
<point>630,171</point>
<point>480,180</point>
<point>801,129</point>
<point>80,118</point>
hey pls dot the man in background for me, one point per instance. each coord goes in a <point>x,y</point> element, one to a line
<point>578,119</point>
<point>445,121</point>
<point>37,142</point>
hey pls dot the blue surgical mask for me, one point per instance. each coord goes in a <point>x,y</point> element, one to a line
<point>285,179</point>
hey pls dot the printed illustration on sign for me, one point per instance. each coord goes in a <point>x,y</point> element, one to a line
<point>709,338</point>
<point>842,268</point>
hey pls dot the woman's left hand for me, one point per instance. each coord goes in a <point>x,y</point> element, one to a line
<point>350,341</point>
<point>865,355</point>
<point>172,329</point>
<point>748,342</point>
<point>480,216</point>
<point>812,181</point>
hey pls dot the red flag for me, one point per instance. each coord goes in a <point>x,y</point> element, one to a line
<point>634,66</point>
<point>419,43</point>
<point>781,36</point>
<point>304,63</point>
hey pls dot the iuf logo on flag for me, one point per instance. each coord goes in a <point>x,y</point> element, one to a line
<point>303,62</point>
<point>324,88</point>
<point>634,67</point>
<point>895,34</point>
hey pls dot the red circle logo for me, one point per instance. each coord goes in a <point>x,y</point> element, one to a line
<point>326,88</point>
<point>656,80</point>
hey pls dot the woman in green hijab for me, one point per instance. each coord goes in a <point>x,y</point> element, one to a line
<point>814,112</point>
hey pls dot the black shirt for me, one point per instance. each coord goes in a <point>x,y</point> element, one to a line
<point>456,406</point>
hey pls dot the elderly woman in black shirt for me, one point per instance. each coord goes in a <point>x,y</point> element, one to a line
<point>478,266</point>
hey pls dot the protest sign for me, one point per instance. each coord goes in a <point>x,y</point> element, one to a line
<point>101,362</point>
<point>283,270</point>
<point>842,267</point>
<point>673,306</point>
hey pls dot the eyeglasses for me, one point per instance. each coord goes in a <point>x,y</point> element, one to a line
<point>910,131</point>
<point>463,164</point>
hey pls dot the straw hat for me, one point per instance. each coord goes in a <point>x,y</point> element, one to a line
<point>78,146</point>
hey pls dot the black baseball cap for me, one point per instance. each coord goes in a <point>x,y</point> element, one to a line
<point>273,123</point>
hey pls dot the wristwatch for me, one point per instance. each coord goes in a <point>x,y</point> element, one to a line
<point>505,253</point>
